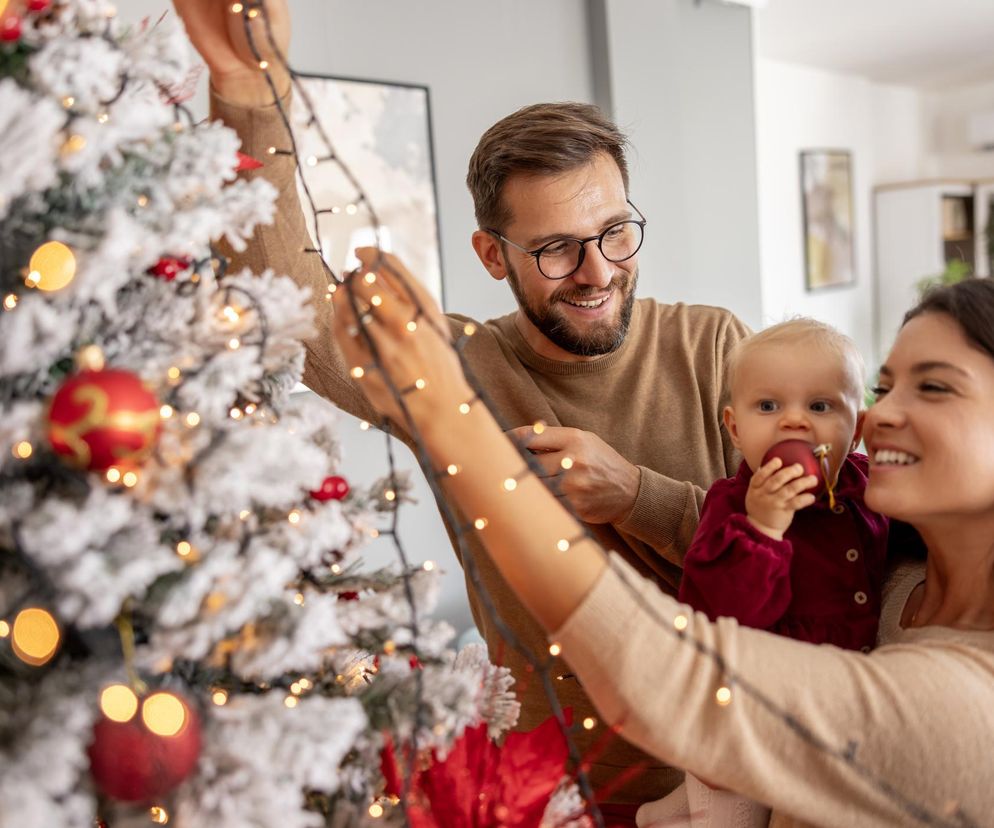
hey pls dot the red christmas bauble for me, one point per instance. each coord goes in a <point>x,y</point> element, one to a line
<point>141,759</point>
<point>333,488</point>
<point>10,29</point>
<point>38,5</point>
<point>99,419</point>
<point>797,451</point>
<point>168,268</point>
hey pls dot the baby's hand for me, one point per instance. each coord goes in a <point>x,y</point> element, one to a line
<point>775,494</point>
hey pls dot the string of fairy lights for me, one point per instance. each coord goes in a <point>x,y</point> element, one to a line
<point>732,682</point>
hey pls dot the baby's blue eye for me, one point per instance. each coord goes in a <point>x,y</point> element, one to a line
<point>820,407</point>
<point>767,406</point>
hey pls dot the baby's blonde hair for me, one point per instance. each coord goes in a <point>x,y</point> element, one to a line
<point>802,329</point>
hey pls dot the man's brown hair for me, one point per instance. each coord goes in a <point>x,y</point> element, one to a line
<point>541,139</point>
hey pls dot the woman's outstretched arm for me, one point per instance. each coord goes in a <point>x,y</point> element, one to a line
<point>828,736</point>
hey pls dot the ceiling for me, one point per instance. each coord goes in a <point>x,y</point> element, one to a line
<point>928,44</point>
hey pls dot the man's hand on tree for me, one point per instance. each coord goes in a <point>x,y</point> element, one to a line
<point>219,35</point>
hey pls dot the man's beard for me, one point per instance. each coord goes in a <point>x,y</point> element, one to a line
<point>556,327</point>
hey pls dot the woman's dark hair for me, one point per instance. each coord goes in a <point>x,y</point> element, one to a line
<point>970,303</point>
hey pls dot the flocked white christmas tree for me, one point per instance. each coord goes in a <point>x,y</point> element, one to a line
<point>186,631</point>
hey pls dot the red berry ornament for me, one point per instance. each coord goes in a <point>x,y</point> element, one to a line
<point>168,268</point>
<point>10,29</point>
<point>333,488</point>
<point>143,748</point>
<point>99,419</point>
<point>798,451</point>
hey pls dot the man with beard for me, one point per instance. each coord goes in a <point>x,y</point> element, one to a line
<point>628,390</point>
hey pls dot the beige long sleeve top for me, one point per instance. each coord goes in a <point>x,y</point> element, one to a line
<point>916,716</point>
<point>655,400</point>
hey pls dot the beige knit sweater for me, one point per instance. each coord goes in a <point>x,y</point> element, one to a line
<point>916,715</point>
<point>656,400</point>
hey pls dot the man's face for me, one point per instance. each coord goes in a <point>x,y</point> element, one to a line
<point>586,314</point>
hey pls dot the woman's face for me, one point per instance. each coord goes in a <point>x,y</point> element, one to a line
<point>930,435</point>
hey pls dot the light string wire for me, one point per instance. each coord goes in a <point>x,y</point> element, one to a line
<point>248,12</point>
<point>916,810</point>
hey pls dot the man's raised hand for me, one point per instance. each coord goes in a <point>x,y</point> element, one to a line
<point>219,34</point>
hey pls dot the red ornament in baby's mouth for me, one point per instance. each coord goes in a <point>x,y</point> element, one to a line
<point>798,451</point>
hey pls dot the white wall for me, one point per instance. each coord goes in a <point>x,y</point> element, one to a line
<point>945,120</point>
<point>681,82</point>
<point>802,108</point>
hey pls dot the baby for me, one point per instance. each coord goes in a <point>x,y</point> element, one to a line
<point>808,566</point>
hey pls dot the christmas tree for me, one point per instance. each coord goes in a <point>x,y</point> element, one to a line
<point>187,633</point>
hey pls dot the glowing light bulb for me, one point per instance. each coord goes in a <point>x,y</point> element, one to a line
<point>10,301</point>
<point>220,697</point>
<point>428,566</point>
<point>35,637</point>
<point>480,523</point>
<point>113,475</point>
<point>164,714</point>
<point>234,343</point>
<point>464,408</point>
<point>52,266</point>
<point>298,599</point>
<point>291,701</point>
<point>158,815</point>
<point>589,723</point>
<point>510,484</point>
<point>129,479</point>
<point>723,695</point>
<point>91,358</point>
<point>376,810</point>
<point>166,412</point>
<point>4,629</point>
<point>562,545</point>
<point>23,450</point>
<point>184,549</point>
<point>294,517</point>
<point>357,372</point>
<point>420,384</point>
<point>555,649</point>
<point>118,703</point>
<point>412,326</point>
<point>192,419</point>
<point>566,463</point>
<point>539,427</point>
<point>452,469</point>
<point>680,623</point>
<point>369,278</point>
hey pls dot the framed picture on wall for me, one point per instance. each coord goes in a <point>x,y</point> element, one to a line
<point>826,197</point>
<point>381,133</point>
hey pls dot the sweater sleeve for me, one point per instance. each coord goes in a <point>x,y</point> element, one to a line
<point>732,569</point>
<point>824,735</point>
<point>281,246</point>
<point>665,514</point>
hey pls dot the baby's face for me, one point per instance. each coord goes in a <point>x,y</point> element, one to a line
<point>796,392</point>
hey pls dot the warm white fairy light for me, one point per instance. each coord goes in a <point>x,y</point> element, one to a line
<point>357,372</point>
<point>143,200</point>
<point>428,566</point>
<point>305,683</point>
<point>236,8</point>
<point>464,408</point>
<point>376,300</point>
<point>192,419</point>
<point>244,514</point>
<point>469,329</point>
<point>113,475</point>
<point>68,101</point>
<point>118,703</point>
<point>589,723</point>
<point>10,301</point>
<point>295,688</point>
<point>32,279</point>
<point>166,411</point>
<point>364,426</point>
<point>351,209</point>
<point>390,495</point>
<point>250,408</point>
<point>23,450</point>
<point>376,810</point>
<point>510,484</point>
<point>263,65</point>
<point>555,649</point>
<point>130,479</point>
<point>452,469</point>
<point>680,623</point>
<point>299,599</point>
<point>566,463</point>
<point>538,427</point>
<point>220,697</point>
<point>420,384</point>
<point>253,13</point>
<point>236,413</point>
<point>291,701</point>
<point>369,278</point>
<point>231,313</point>
<point>723,695</point>
<point>336,569</point>
<point>184,549</point>
<point>312,161</point>
<point>294,516</point>
<point>103,118</point>
<point>412,326</point>
<point>562,545</point>
<point>173,373</point>
<point>332,287</point>
<point>234,343</point>
<point>480,523</point>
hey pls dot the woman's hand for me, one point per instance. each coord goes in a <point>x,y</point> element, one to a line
<point>396,342</point>
<point>219,34</point>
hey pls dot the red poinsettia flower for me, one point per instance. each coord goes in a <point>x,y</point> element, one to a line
<point>482,785</point>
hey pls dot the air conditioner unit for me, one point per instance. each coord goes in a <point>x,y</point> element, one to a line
<point>980,131</point>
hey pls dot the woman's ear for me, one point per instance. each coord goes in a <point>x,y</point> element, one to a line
<point>728,417</point>
<point>488,249</point>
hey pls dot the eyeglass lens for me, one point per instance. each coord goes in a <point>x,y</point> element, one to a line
<point>617,243</point>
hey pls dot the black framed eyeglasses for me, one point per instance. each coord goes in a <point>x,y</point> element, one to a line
<point>561,258</point>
